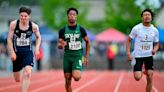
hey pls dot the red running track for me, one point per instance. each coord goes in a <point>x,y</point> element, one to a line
<point>92,81</point>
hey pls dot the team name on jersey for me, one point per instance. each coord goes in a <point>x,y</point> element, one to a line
<point>72,36</point>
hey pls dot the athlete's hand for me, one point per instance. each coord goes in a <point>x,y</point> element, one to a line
<point>64,43</point>
<point>37,54</point>
<point>153,52</point>
<point>86,61</point>
<point>13,56</point>
<point>129,57</point>
<point>61,44</point>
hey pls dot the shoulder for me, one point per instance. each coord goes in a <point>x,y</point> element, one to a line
<point>35,27</point>
<point>154,28</point>
<point>62,31</point>
<point>138,26</point>
<point>82,29</point>
<point>13,24</point>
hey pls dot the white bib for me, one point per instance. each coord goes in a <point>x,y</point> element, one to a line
<point>75,45</point>
<point>23,42</point>
<point>146,46</point>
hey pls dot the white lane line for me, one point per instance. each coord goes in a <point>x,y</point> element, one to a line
<point>48,86</point>
<point>88,83</point>
<point>119,82</point>
<point>155,89</point>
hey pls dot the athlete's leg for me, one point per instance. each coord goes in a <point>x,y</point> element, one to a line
<point>16,76</point>
<point>138,69</point>
<point>149,78</point>
<point>26,78</point>
<point>77,68</point>
<point>17,67</point>
<point>138,75</point>
<point>68,77</point>
<point>76,74</point>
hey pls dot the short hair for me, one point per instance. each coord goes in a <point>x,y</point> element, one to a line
<point>25,9</point>
<point>147,10</point>
<point>74,9</point>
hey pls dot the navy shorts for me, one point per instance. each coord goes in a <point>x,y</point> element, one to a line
<point>147,61</point>
<point>23,59</point>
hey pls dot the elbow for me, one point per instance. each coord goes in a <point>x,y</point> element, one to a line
<point>88,43</point>
<point>39,38</point>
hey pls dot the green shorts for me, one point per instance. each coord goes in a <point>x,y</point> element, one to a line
<point>72,63</point>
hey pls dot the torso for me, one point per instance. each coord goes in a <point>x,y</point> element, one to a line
<point>144,39</point>
<point>22,38</point>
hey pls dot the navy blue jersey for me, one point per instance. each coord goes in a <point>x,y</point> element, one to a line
<point>22,39</point>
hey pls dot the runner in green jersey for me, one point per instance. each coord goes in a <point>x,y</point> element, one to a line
<point>70,38</point>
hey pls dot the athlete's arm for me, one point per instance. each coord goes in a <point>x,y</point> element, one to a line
<point>38,39</point>
<point>87,41</point>
<point>156,42</point>
<point>156,47</point>
<point>61,42</point>
<point>128,45</point>
<point>9,40</point>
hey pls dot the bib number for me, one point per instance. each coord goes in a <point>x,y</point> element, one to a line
<point>23,42</point>
<point>75,45</point>
<point>145,46</point>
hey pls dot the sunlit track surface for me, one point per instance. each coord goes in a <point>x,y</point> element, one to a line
<point>91,81</point>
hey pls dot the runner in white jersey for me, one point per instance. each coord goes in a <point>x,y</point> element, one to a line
<point>145,46</point>
<point>144,38</point>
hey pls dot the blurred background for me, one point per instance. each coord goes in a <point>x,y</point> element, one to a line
<point>108,23</point>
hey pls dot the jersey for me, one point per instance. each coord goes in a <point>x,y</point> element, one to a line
<point>144,39</point>
<point>22,39</point>
<point>73,38</point>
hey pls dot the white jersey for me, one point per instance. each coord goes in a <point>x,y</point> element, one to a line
<point>144,39</point>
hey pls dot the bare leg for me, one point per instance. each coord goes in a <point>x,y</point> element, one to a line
<point>138,75</point>
<point>26,78</point>
<point>68,77</point>
<point>76,74</point>
<point>16,76</point>
<point>149,78</point>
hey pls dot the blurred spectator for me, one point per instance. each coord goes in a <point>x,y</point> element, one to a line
<point>39,66</point>
<point>110,57</point>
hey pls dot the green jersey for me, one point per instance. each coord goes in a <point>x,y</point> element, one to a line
<point>73,39</point>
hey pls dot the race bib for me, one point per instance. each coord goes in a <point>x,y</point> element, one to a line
<point>75,45</point>
<point>145,46</point>
<point>23,42</point>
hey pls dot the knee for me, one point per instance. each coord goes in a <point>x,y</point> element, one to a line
<point>138,75</point>
<point>17,80</point>
<point>76,75</point>
<point>137,78</point>
<point>77,78</point>
<point>27,73</point>
<point>149,77</point>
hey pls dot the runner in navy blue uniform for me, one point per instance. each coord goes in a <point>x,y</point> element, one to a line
<point>20,46</point>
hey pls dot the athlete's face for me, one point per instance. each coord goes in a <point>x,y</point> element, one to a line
<point>72,16</point>
<point>146,17</point>
<point>24,17</point>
